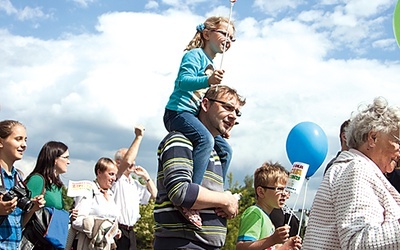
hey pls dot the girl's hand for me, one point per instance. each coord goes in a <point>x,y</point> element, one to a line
<point>38,202</point>
<point>216,77</point>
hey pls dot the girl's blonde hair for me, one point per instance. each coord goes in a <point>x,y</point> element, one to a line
<point>210,24</point>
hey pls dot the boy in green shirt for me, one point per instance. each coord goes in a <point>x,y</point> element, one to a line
<point>256,230</point>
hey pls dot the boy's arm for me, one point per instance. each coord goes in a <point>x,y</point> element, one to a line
<point>280,236</point>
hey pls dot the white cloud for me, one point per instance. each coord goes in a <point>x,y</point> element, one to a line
<point>6,6</point>
<point>84,3</point>
<point>25,14</point>
<point>29,13</point>
<point>152,5</point>
<point>366,8</point>
<point>273,7</point>
<point>386,44</point>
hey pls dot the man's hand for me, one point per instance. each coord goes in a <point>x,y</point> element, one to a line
<point>231,209</point>
<point>139,130</point>
<point>141,172</point>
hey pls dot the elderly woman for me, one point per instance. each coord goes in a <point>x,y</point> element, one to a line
<point>356,207</point>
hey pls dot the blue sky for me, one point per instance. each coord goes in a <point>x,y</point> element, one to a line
<point>85,72</point>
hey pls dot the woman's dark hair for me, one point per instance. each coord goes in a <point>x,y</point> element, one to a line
<point>6,127</point>
<point>45,163</point>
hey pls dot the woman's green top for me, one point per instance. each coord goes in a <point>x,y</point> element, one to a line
<point>53,195</point>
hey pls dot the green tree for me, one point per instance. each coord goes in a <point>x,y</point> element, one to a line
<point>68,201</point>
<point>247,199</point>
<point>144,228</point>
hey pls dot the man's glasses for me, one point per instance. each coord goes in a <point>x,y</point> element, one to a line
<point>225,34</point>
<point>280,190</point>
<point>228,107</point>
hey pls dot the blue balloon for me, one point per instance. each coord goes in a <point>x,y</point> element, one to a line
<point>307,143</point>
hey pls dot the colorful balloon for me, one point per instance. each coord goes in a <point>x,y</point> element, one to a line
<point>307,143</point>
<point>396,23</point>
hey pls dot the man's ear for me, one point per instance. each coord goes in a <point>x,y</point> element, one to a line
<point>205,104</point>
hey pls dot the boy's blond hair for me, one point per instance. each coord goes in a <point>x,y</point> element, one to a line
<point>269,174</point>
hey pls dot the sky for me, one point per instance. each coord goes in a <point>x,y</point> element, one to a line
<point>85,72</point>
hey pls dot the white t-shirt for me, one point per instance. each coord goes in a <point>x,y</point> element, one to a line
<point>128,194</point>
<point>95,205</point>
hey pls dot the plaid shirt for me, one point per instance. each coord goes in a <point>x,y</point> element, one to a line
<point>11,227</point>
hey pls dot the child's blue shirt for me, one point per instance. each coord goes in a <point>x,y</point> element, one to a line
<point>191,82</point>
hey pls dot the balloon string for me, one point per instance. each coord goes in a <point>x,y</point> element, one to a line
<point>227,34</point>
<point>302,210</point>
<point>295,203</point>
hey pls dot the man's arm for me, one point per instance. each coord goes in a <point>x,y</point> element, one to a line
<point>132,152</point>
<point>176,159</point>
<point>212,199</point>
<point>151,187</point>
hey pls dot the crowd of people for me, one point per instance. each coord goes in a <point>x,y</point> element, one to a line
<point>357,205</point>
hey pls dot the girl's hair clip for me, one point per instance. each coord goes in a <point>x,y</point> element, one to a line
<point>200,27</point>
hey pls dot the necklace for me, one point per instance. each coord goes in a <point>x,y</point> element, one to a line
<point>103,191</point>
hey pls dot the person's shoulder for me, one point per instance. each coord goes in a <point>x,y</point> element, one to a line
<point>277,212</point>
<point>174,136</point>
<point>174,140</point>
<point>197,52</point>
<point>253,213</point>
<point>36,178</point>
<point>252,209</point>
